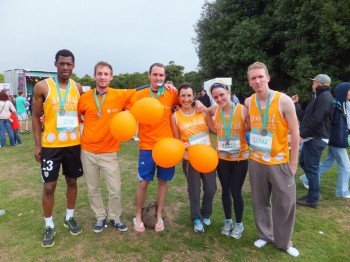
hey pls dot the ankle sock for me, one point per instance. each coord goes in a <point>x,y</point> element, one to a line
<point>69,213</point>
<point>260,243</point>
<point>228,221</point>
<point>49,222</point>
<point>293,251</point>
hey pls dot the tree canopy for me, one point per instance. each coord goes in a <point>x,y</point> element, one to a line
<point>296,39</point>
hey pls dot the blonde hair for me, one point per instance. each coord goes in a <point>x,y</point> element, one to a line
<point>257,65</point>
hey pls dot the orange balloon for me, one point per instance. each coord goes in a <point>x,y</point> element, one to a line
<point>147,110</point>
<point>167,152</point>
<point>203,158</point>
<point>123,126</point>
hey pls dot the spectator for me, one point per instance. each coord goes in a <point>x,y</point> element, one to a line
<point>5,113</point>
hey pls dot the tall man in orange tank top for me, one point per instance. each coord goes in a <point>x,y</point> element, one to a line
<point>271,170</point>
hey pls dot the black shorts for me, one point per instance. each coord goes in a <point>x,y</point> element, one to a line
<point>52,158</point>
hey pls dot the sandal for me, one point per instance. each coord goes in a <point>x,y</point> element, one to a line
<point>159,226</point>
<point>139,227</point>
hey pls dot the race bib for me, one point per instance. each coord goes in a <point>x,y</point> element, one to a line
<point>201,138</point>
<point>67,122</point>
<point>259,142</point>
<point>231,145</point>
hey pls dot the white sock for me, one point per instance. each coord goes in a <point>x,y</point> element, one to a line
<point>260,243</point>
<point>49,222</point>
<point>228,221</point>
<point>69,213</point>
<point>293,252</point>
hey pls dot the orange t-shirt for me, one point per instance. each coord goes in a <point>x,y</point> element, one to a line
<point>237,131</point>
<point>271,149</point>
<point>151,134</point>
<point>97,137</point>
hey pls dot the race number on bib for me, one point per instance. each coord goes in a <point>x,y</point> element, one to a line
<point>67,122</point>
<point>231,145</point>
<point>201,138</point>
<point>260,142</point>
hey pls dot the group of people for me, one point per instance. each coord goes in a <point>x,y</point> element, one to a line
<point>95,150</point>
<point>13,116</point>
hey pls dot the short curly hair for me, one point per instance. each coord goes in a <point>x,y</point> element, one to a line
<point>3,96</point>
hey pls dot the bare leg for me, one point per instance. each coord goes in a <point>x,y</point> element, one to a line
<point>141,193</point>
<point>48,198</point>
<point>161,196</point>
<point>72,191</point>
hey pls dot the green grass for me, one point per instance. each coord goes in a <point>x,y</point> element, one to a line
<point>22,227</point>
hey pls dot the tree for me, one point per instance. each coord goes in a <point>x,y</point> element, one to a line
<point>2,78</point>
<point>87,81</point>
<point>175,73</point>
<point>195,79</point>
<point>313,38</point>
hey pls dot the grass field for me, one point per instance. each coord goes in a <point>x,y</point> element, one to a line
<point>321,234</point>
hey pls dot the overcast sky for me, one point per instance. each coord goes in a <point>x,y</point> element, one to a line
<point>129,34</point>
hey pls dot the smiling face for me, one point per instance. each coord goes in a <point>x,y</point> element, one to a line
<point>157,75</point>
<point>65,67</point>
<point>221,96</point>
<point>186,97</point>
<point>258,79</point>
<point>103,76</point>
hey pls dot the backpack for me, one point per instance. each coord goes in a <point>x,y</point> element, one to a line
<point>149,214</point>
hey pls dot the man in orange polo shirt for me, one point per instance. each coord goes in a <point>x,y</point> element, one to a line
<point>99,148</point>
<point>149,135</point>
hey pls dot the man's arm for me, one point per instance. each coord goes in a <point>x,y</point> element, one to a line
<point>288,110</point>
<point>40,91</point>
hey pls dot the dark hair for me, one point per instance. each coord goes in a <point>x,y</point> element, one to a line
<point>158,65</point>
<point>3,96</point>
<point>64,53</point>
<point>218,85</point>
<point>103,63</point>
<point>20,92</point>
<point>185,86</point>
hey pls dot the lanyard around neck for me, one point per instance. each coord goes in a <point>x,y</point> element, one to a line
<point>227,127</point>
<point>266,114</point>
<point>159,92</point>
<point>98,104</point>
<point>62,101</point>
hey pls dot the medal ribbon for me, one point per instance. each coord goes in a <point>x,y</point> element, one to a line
<point>159,92</point>
<point>227,127</point>
<point>62,102</point>
<point>266,114</point>
<point>98,102</point>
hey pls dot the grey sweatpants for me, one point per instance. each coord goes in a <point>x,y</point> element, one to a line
<point>194,179</point>
<point>273,196</point>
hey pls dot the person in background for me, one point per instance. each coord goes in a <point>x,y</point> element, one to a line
<point>15,126</point>
<point>6,107</point>
<point>21,104</point>
<point>315,131</point>
<point>192,128</point>
<point>204,98</point>
<point>338,142</point>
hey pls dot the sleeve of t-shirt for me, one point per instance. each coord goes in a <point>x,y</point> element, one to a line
<point>126,95</point>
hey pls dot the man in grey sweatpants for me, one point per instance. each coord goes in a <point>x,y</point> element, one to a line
<point>271,171</point>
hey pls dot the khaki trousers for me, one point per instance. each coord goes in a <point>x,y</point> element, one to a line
<point>274,203</point>
<point>106,164</point>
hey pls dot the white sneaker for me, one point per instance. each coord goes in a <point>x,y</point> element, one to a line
<point>136,138</point>
<point>305,184</point>
<point>260,243</point>
<point>226,229</point>
<point>237,230</point>
<point>293,251</point>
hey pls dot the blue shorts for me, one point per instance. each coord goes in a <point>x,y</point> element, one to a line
<point>147,168</point>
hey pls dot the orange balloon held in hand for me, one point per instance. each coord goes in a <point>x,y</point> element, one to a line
<point>123,126</point>
<point>147,110</point>
<point>167,152</point>
<point>203,158</point>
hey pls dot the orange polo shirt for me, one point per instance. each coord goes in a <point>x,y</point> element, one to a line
<point>151,134</point>
<point>97,137</point>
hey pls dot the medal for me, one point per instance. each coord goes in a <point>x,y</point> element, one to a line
<point>99,114</point>
<point>62,111</point>
<point>264,132</point>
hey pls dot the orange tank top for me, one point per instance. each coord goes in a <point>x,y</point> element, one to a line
<point>235,147</point>
<point>61,132</point>
<point>193,129</point>
<point>270,148</point>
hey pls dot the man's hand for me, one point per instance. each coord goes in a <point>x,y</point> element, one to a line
<point>293,167</point>
<point>295,99</point>
<point>37,153</point>
<point>169,85</point>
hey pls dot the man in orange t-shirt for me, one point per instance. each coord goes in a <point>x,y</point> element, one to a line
<point>149,135</point>
<point>99,148</point>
